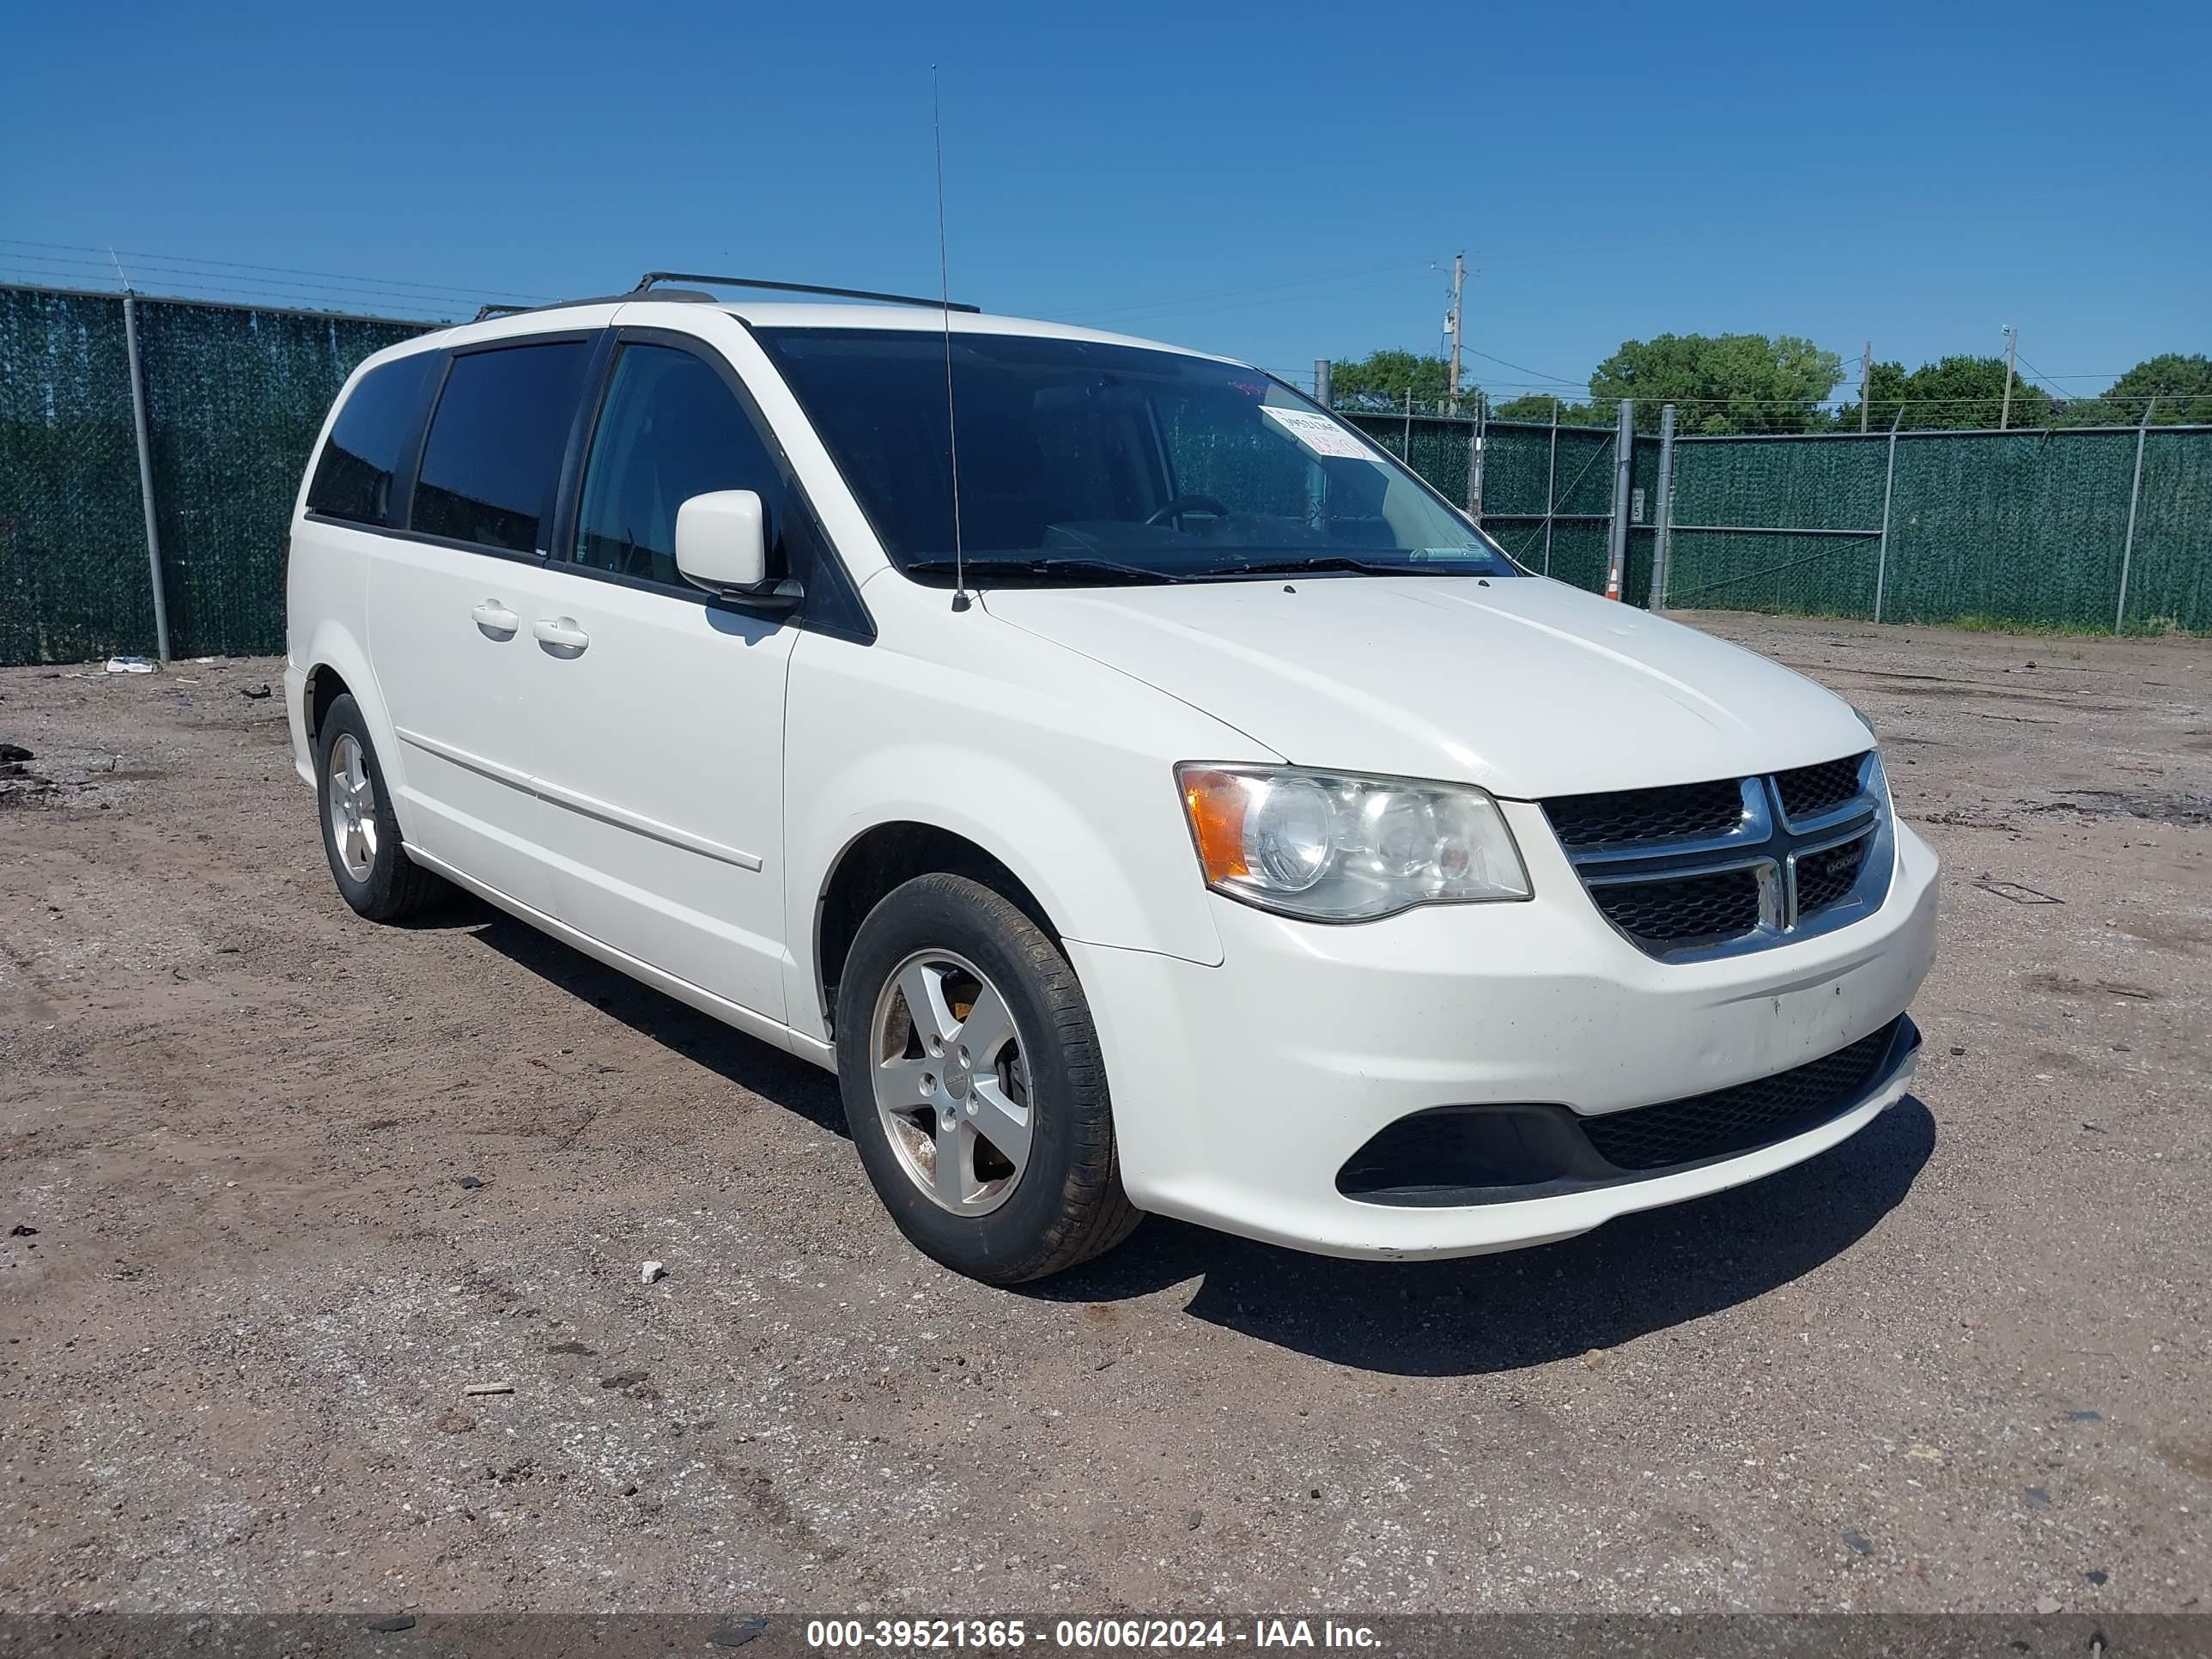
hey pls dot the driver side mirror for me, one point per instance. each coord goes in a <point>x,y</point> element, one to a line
<point>721,544</point>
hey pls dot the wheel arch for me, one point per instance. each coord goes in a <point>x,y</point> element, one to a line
<point>336,665</point>
<point>324,686</point>
<point>879,859</point>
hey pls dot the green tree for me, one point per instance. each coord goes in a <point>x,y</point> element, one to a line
<point>1722,383</point>
<point>1885,390</point>
<point>1380,380</point>
<point>1952,392</point>
<point>2181,384</point>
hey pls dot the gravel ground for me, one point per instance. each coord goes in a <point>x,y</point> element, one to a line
<point>284,1184</point>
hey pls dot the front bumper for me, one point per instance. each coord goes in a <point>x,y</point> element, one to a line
<point>1241,1090</point>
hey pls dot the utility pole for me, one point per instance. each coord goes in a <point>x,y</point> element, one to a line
<point>2012,349</point>
<point>1451,326</point>
<point>1324,392</point>
<point>1866,380</point>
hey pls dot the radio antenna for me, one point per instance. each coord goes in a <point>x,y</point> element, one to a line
<point>944,295</point>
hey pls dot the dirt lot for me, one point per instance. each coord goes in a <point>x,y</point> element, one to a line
<point>283,1184</point>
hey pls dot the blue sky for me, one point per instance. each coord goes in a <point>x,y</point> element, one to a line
<point>1274,181</point>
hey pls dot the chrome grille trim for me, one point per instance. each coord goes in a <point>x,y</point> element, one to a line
<point>1765,841</point>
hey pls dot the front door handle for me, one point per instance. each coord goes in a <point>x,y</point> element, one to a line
<point>560,636</point>
<point>494,621</point>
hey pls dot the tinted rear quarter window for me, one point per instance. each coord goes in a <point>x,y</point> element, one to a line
<point>353,480</point>
<point>494,452</point>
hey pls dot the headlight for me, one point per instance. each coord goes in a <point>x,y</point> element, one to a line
<point>1333,848</point>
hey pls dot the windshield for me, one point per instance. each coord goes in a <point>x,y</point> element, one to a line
<point>1081,462</point>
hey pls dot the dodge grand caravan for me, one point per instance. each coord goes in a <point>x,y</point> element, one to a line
<point>1144,793</point>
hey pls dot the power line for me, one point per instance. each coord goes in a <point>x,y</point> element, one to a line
<point>207,282</point>
<point>103,261</point>
<point>1244,289</point>
<point>348,308</point>
<point>2040,376</point>
<point>1561,379</point>
<point>1096,317</point>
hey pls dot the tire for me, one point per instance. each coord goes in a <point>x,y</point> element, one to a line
<point>373,873</point>
<point>1064,1204</point>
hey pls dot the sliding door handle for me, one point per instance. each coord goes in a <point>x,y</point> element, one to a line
<point>560,636</point>
<point>494,621</point>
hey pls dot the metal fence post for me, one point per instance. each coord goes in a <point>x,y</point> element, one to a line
<point>1475,436</point>
<point>145,471</point>
<point>2134,493</point>
<point>1551,487</point>
<point>1624,466</point>
<point>1888,481</point>
<point>1662,538</point>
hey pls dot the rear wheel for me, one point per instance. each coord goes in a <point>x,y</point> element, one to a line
<point>973,1086</point>
<point>361,837</point>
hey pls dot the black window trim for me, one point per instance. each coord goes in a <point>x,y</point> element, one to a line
<point>811,613</point>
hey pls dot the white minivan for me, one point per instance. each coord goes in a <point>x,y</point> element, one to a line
<point>1144,793</point>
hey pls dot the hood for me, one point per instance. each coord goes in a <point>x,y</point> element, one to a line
<point>1523,685</point>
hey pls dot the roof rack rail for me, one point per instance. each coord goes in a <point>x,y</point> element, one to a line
<point>649,283</point>
<point>650,277</point>
<point>483,312</point>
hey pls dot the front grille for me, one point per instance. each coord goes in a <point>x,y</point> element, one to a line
<point>1639,815</point>
<point>1698,869</point>
<point>1826,876</point>
<point>1738,1119</point>
<point>1808,790</point>
<point>1687,910</point>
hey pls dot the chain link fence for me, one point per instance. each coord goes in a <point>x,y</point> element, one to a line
<point>2079,528</point>
<point>234,395</point>
<point>73,573</point>
<point>2093,528</point>
<point>1546,491</point>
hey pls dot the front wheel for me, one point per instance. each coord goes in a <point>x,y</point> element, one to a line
<point>973,1086</point>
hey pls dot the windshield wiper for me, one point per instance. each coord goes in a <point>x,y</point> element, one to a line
<point>1045,565</point>
<point>1340,562</point>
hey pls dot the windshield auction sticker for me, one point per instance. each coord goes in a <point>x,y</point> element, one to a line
<point>1317,432</point>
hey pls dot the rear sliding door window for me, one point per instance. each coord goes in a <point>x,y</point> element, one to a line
<point>379,422</point>
<point>494,454</point>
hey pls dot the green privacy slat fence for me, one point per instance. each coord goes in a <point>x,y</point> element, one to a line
<point>2026,527</point>
<point>73,576</point>
<point>1805,484</point>
<point>234,395</point>
<point>2170,573</point>
<point>1526,467</point>
<point>234,399</point>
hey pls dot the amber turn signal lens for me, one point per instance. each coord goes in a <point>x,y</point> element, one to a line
<point>1215,802</point>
